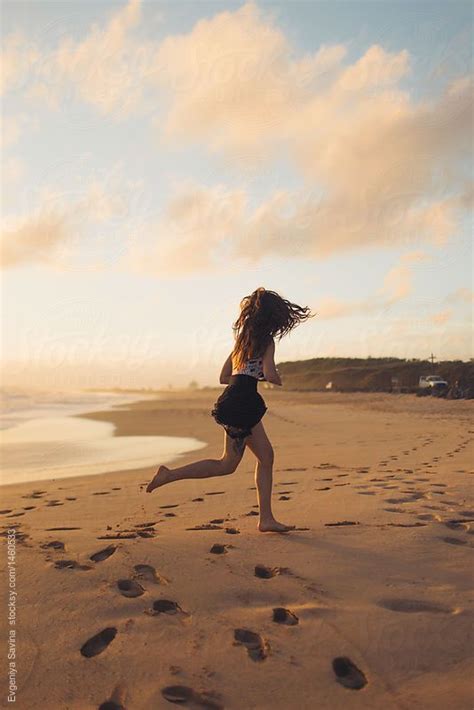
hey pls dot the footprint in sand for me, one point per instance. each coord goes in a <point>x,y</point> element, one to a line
<point>116,700</point>
<point>284,498</point>
<point>453,540</point>
<point>101,493</point>
<point>35,494</point>
<point>395,510</point>
<point>197,500</point>
<point>29,507</point>
<point>54,544</point>
<point>206,526</point>
<point>218,549</point>
<point>149,574</point>
<point>459,523</point>
<point>111,705</point>
<point>232,531</point>
<point>130,588</point>
<point>284,616</point>
<point>326,488</point>
<point>264,572</point>
<point>215,493</point>
<point>149,532</point>
<point>429,516</point>
<point>183,695</point>
<point>7,510</point>
<point>252,512</point>
<point>165,606</point>
<point>59,529</point>
<point>413,606</point>
<point>342,522</point>
<point>256,646</point>
<point>104,554</point>
<point>408,499</point>
<point>347,673</point>
<point>98,643</point>
<point>70,564</point>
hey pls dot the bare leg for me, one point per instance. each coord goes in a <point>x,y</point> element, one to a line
<point>260,445</point>
<point>230,459</point>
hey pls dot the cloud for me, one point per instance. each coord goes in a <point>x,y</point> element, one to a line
<point>233,82</point>
<point>34,239</point>
<point>105,68</point>
<point>378,169</point>
<point>103,65</point>
<point>14,126</point>
<point>461,295</point>
<point>17,60</point>
<point>384,170</point>
<point>328,308</point>
<point>442,317</point>
<point>397,286</point>
<point>398,281</point>
<point>53,233</point>
<point>190,235</point>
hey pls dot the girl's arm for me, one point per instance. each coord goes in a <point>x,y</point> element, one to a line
<point>270,371</point>
<point>226,371</point>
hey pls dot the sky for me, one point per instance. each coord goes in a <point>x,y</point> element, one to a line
<point>161,160</point>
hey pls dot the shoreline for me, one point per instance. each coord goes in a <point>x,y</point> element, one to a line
<point>121,416</point>
<point>105,416</point>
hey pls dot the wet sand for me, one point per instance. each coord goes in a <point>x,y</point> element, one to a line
<point>147,599</point>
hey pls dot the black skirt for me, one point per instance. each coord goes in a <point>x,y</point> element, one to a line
<point>240,406</point>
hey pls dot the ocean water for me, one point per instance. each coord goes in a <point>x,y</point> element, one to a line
<point>18,406</point>
<point>39,440</point>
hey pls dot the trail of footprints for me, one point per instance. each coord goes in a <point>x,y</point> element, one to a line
<point>136,585</point>
<point>258,648</point>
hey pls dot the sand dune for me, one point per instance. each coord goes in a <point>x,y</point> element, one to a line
<point>141,601</point>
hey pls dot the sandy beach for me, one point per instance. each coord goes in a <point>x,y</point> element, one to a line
<point>367,603</point>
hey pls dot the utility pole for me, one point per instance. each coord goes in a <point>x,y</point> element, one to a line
<point>432,358</point>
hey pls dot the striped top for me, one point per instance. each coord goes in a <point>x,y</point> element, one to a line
<point>252,367</point>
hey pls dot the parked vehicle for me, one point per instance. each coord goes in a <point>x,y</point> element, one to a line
<point>432,384</point>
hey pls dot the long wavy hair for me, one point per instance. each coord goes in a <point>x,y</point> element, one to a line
<point>264,315</point>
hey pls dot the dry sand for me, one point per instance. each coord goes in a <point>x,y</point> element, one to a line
<point>391,593</point>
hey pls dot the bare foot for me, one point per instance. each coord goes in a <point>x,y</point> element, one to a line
<point>274,526</point>
<point>161,477</point>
